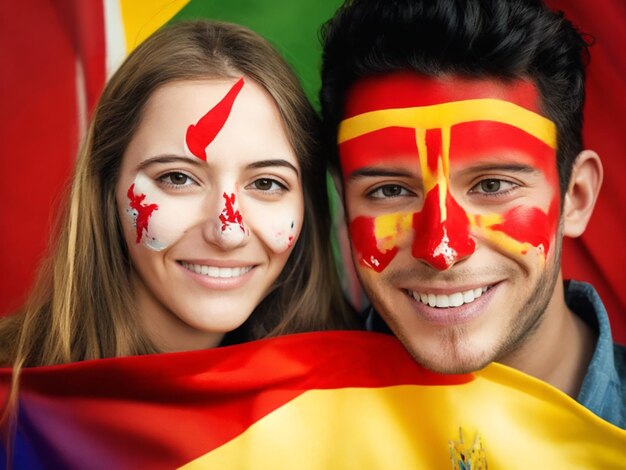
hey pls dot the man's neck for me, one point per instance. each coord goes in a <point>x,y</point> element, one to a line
<point>560,350</point>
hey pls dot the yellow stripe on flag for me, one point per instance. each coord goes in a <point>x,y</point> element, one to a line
<point>141,18</point>
<point>504,418</point>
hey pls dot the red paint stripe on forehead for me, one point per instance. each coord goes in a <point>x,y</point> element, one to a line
<point>379,147</point>
<point>433,148</point>
<point>409,89</point>
<point>494,141</point>
<point>200,135</point>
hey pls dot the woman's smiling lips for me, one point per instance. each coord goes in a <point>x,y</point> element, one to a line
<point>219,274</point>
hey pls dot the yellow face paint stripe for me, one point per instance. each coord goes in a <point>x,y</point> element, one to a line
<point>482,225</point>
<point>429,178</point>
<point>388,227</point>
<point>444,177</point>
<point>448,114</point>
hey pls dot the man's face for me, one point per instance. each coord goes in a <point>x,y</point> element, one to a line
<point>452,198</point>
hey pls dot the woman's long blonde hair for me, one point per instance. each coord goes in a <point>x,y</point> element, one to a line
<point>82,306</point>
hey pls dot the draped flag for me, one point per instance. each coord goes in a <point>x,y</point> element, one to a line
<point>306,401</point>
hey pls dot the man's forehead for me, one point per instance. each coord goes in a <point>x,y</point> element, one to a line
<point>406,89</point>
<point>403,114</point>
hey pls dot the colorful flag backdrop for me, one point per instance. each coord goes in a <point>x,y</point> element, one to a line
<point>56,55</point>
<point>340,400</point>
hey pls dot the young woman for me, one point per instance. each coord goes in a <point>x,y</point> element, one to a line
<point>197,215</point>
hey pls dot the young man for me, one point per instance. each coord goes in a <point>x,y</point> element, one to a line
<point>458,127</point>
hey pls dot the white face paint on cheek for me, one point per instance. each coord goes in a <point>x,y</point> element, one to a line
<point>159,219</point>
<point>281,235</point>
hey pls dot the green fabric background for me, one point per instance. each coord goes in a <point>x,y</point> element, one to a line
<point>292,26</point>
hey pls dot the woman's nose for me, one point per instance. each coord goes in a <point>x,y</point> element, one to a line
<point>227,230</point>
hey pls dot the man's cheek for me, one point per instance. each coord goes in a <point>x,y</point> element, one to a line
<point>521,231</point>
<point>376,240</point>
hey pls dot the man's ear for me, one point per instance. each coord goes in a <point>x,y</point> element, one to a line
<point>582,193</point>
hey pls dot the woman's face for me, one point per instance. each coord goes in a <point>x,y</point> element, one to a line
<point>211,203</point>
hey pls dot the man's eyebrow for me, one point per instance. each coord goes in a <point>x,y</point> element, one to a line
<point>509,167</point>
<point>270,163</point>
<point>170,159</point>
<point>368,171</point>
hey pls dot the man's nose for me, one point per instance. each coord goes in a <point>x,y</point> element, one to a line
<point>441,231</point>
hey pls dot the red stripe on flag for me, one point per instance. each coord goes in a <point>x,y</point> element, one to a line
<point>165,410</point>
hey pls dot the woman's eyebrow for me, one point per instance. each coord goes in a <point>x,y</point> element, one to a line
<point>270,163</point>
<point>170,159</point>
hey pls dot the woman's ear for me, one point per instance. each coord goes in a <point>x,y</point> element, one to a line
<point>582,193</point>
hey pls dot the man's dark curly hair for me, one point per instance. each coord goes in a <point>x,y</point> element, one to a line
<point>502,39</point>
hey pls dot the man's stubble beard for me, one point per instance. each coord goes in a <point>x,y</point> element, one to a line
<point>456,360</point>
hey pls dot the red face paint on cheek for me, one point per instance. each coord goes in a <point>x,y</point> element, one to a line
<point>200,135</point>
<point>362,234</point>
<point>230,215</point>
<point>142,212</point>
<point>531,225</point>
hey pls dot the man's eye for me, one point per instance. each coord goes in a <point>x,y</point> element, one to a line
<point>493,186</point>
<point>490,186</point>
<point>389,191</point>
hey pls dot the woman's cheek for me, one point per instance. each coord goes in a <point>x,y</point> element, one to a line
<point>159,219</point>
<point>278,230</point>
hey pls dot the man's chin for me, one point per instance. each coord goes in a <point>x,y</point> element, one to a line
<point>453,363</point>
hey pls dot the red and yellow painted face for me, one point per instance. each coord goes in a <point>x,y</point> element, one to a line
<point>448,131</point>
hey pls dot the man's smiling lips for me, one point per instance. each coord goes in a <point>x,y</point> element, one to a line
<point>437,298</point>
<point>455,299</point>
<point>453,307</point>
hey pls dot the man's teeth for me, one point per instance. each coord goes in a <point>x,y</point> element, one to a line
<point>454,300</point>
<point>214,271</point>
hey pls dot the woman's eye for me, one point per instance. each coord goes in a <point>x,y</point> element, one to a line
<point>176,178</point>
<point>389,191</point>
<point>267,184</point>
